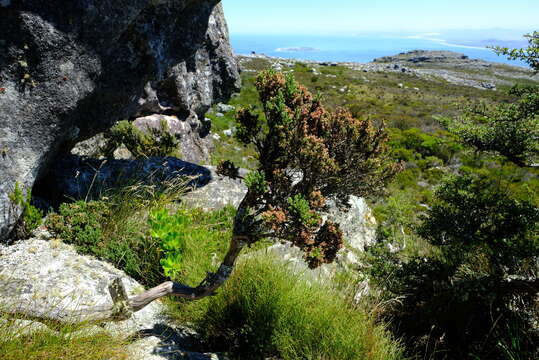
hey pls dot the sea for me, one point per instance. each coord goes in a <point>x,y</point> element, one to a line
<point>357,48</point>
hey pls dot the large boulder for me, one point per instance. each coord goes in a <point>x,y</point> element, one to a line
<point>48,279</point>
<point>68,70</point>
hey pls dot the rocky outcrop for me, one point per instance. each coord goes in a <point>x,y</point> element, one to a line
<point>191,146</point>
<point>68,70</point>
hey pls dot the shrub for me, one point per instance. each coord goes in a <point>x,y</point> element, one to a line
<point>80,223</point>
<point>476,297</point>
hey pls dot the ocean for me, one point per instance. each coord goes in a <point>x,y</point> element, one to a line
<point>351,48</point>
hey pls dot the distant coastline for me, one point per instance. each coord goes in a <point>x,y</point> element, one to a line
<point>361,49</point>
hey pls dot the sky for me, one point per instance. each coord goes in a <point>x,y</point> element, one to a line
<point>391,16</point>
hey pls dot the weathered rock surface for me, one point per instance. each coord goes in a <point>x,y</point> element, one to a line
<point>49,278</point>
<point>219,192</point>
<point>45,277</point>
<point>192,146</point>
<point>68,70</point>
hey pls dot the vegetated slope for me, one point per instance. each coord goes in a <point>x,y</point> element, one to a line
<point>406,91</point>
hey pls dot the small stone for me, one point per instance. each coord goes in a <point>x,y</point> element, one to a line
<point>224,108</point>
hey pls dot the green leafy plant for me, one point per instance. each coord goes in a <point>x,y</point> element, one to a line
<point>169,231</point>
<point>31,216</point>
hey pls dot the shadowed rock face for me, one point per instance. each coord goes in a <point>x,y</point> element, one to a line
<point>70,69</point>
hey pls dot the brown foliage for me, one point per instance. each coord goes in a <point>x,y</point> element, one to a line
<point>307,155</point>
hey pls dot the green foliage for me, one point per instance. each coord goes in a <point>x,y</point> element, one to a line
<point>80,223</point>
<point>256,182</point>
<point>298,208</point>
<point>191,240</point>
<point>265,311</point>
<point>529,54</point>
<point>59,342</point>
<point>473,295</point>
<point>408,144</point>
<point>154,142</point>
<point>473,213</point>
<point>167,229</point>
<point>31,216</point>
<point>508,129</point>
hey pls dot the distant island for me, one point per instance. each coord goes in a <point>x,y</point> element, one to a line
<point>296,49</point>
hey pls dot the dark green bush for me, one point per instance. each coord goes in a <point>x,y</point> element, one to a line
<point>95,228</point>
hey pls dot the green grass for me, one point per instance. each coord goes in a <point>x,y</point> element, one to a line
<point>64,342</point>
<point>264,310</point>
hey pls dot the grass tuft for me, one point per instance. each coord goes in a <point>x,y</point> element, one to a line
<point>264,310</point>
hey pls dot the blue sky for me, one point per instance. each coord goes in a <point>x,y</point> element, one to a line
<point>391,16</point>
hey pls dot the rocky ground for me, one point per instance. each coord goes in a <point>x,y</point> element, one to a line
<point>455,68</point>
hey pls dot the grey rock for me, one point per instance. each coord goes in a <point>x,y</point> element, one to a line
<point>357,223</point>
<point>90,147</point>
<point>193,147</point>
<point>69,70</point>
<point>218,193</point>
<point>49,276</point>
<point>224,108</point>
<point>488,85</point>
